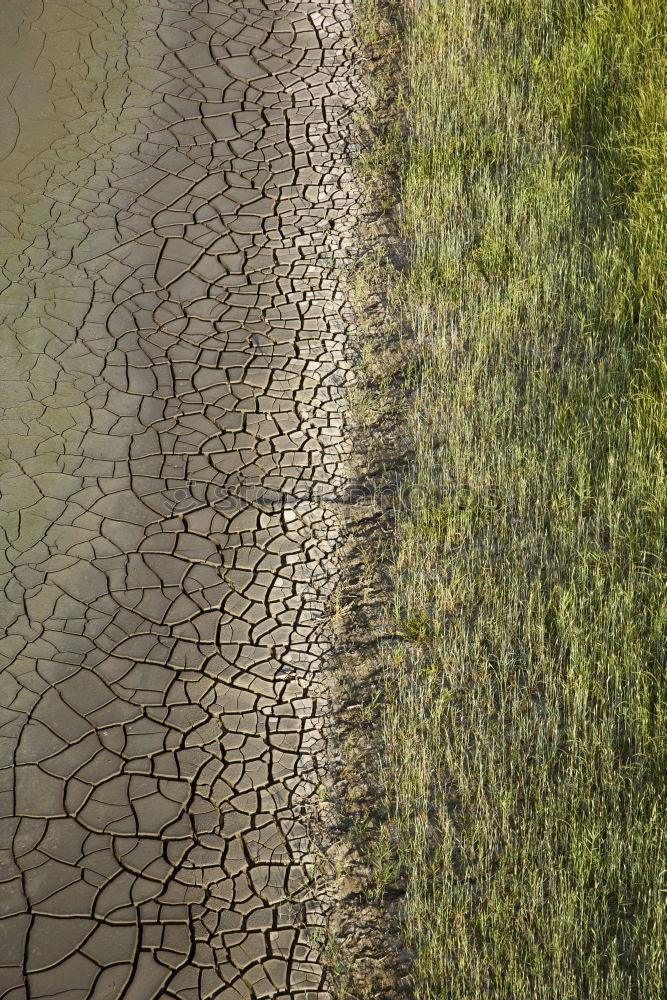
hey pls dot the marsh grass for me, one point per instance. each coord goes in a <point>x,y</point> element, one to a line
<point>524,711</point>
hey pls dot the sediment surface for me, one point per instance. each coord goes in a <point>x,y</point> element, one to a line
<point>175,209</point>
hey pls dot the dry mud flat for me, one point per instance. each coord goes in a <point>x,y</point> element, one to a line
<point>175,206</point>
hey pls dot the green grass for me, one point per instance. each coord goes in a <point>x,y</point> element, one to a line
<point>525,710</point>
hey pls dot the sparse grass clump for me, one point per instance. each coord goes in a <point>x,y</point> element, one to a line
<point>525,718</point>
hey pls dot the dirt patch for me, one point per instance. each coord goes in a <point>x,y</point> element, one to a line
<point>367,959</point>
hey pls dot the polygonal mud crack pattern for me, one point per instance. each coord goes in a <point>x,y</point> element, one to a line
<point>173,294</point>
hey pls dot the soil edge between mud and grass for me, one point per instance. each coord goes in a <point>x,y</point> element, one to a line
<point>364,953</point>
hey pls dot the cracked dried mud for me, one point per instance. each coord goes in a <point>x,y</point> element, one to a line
<point>176,212</point>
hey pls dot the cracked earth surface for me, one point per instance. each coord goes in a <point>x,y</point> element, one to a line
<point>175,206</point>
